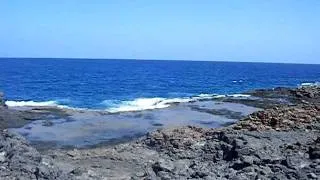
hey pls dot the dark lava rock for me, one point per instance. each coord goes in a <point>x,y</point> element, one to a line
<point>281,142</point>
<point>232,154</point>
<point>278,143</point>
<point>281,118</point>
<point>15,118</point>
<point>2,101</point>
<point>18,160</point>
<point>314,149</point>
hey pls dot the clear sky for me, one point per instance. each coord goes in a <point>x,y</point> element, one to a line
<point>233,30</point>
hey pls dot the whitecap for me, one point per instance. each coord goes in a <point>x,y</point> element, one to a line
<point>139,105</point>
<point>208,96</point>
<point>239,95</point>
<point>30,103</point>
<point>239,81</point>
<point>309,84</point>
<point>39,104</point>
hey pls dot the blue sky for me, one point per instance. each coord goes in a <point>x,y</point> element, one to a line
<point>234,30</point>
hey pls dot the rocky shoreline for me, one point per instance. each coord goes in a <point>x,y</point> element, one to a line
<point>280,142</point>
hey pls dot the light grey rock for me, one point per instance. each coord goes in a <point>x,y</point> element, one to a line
<point>2,156</point>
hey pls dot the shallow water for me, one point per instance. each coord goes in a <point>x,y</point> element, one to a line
<point>86,128</point>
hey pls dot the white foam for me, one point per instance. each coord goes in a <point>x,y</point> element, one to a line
<point>39,104</point>
<point>234,81</point>
<point>140,104</point>
<point>208,96</point>
<point>30,103</point>
<point>307,84</point>
<point>219,96</point>
<point>239,95</point>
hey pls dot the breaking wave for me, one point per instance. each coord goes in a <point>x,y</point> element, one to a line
<point>308,84</point>
<point>38,104</point>
<point>139,104</point>
<point>30,103</point>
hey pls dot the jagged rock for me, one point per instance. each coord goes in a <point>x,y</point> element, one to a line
<point>2,101</point>
<point>281,142</point>
<point>18,160</point>
<point>283,118</point>
<point>314,149</point>
<point>163,165</point>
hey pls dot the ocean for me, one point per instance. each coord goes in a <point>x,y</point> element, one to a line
<point>129,85</point>
<point>115,100</point>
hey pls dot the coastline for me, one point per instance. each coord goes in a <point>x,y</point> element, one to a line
<point>280,142</point>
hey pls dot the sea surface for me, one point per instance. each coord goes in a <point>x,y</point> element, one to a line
<point>130,85</point>
<point>116,100</point>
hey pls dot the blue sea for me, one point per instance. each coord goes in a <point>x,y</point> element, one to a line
<point>149,94</point>
<point>116,85</point>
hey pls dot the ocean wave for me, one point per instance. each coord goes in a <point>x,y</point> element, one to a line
<point>39,104</point>
<point>239,95</point>
<point>139,104</point>
<point>308,84</point>
<point>30,103</point>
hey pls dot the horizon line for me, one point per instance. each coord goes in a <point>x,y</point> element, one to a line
<point>174,60</point>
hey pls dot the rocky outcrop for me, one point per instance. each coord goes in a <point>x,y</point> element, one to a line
<point>309,92</point>
<point>304,94</point>
<point>282,118</point>
<point>13,118</point>
<point>281,151</point>
<point>281,142</point>
<point>18,160</point>
<point>278,143</point>
<point>231,154</point>
<point>2,102</point>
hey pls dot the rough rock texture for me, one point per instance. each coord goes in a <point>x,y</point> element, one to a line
<point>228,154</point>
<point>281,142</point>
<point>282,95</point>
<point>276,152</point>
<point>18,160</point>
<point>282,118</point>
<point>2,102</point>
